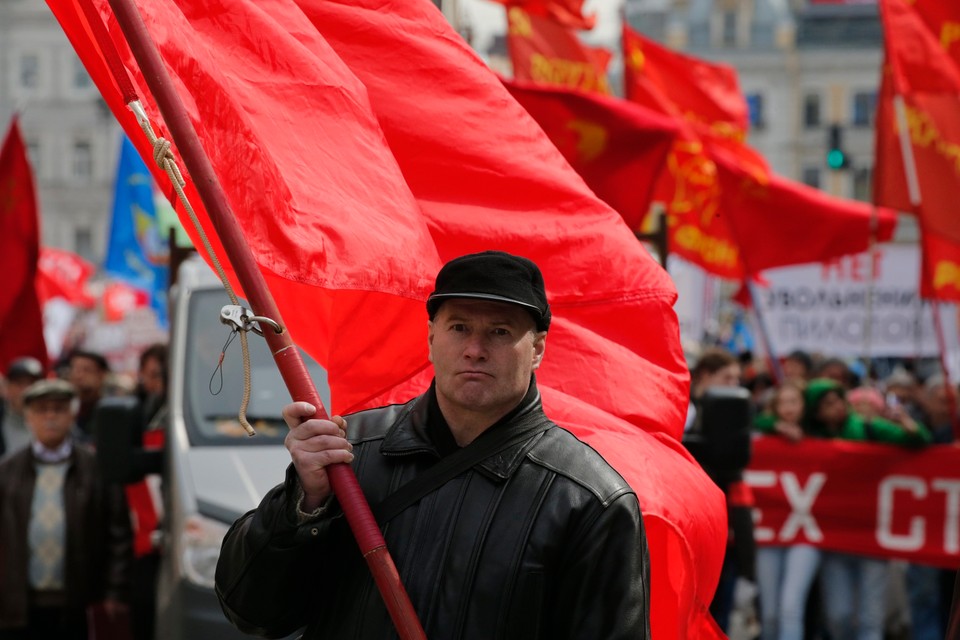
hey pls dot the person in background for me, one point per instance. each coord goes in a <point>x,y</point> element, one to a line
<point>902,389</point>
<point>143,495</point>
<point>838,370</point>
<point>14,433</point>
<point>797,366</point>
<point>737,588</point>
<point>928,588</point>
<point>867,402</point>
<point>87,371</point>
<point>853,586</point>
<point>785,574</point>
<point>64,533</point>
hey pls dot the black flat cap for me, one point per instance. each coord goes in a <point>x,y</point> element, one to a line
<point>25,367</point>
<point>495,276</point>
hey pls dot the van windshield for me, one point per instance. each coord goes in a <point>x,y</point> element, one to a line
<point>212,394</point>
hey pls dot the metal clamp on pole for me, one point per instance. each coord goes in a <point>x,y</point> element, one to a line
<point>242,319</point>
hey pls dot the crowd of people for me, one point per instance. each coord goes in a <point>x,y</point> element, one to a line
<point>800,591</point>
<point>69,558</point>
<point>69,542</point>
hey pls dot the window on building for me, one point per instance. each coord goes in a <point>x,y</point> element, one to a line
<point>728,28</point>
<point>29,71</point>
<point>755,107</point>
<point>81,79</point>
<point>82,160</point>
<point>83,243</point>
<point>811,177</point>
<point>863,184</point>
<point>864,106</point>
<point>811,110</point>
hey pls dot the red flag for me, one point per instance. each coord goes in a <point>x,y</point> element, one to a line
<point>705,94</point>
<point>727,211</point>
<point>778,222</point>
<point>119,299</point>
<point>940,268</point>
<point>921,76</point>
<point>617,147</point>
<point>545,52</point>
<point>62,274</point>
<point>407,131</point>
<point>21,321</point>
<point>568,13</point>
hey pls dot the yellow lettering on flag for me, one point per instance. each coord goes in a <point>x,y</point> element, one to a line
<point>591,139</point>
<point>519,22</point>
<point>949,33</point>
<point>566,73</point>
<point>715,251</point>
<point>924,134</point>
<point>946,274</point>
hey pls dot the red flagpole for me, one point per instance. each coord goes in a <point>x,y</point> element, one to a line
<point>287,357</point>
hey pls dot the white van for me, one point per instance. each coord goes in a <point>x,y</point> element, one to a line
<point>212,472</point>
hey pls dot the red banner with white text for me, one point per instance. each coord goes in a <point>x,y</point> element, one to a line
<point>870,499</point>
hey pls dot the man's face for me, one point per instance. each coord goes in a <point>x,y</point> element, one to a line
<point>49,420</point>
<point>15,388</point>
<point>483,354</point>
<point>86,376</point>
<point>151,377</point>
<point>728,376</point>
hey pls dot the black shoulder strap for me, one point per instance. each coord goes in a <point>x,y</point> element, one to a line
<point>454,464</point>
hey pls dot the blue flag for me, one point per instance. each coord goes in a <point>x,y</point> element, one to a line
<point>138,252</point>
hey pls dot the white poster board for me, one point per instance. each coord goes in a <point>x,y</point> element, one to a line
<point>850,308</point>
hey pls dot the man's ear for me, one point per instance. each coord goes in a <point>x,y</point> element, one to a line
<point>539,346</point>
<point>430,340</point>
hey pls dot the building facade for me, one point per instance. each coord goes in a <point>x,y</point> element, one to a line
<point>72,138</point>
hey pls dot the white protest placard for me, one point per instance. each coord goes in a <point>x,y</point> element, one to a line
<point>856,306</point>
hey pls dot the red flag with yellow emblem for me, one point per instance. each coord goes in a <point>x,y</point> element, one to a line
<point>617,147</point>
<point>727,211</point>
<point>21,320</point>
<point>919,113</point>
<point>545,52</point>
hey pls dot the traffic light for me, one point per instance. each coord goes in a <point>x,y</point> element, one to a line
<point>837,158</point>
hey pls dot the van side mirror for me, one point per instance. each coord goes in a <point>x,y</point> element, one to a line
<point>118,426</point>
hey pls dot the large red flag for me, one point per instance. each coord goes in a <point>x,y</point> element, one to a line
<point>779,222</point>
<point>706,94</point>
<point>617,147</point>
<point>21,320</point>
<point>545,52</point>
<point>416,153</point>
<point>919,70</point>
<point>727,211</point>
<point>568,13</point>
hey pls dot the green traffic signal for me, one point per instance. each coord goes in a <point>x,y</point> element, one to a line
<point>837,159</point>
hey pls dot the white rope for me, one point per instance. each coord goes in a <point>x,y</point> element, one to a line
<point>166,161</point>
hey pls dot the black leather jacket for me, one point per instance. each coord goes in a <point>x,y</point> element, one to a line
<point>543,540</point>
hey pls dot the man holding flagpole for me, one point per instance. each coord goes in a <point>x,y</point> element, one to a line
<point>502,524</point>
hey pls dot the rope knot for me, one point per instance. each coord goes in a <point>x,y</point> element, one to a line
<point>165,160</point>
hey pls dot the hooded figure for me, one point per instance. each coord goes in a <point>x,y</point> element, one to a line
<point>827,415</point>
